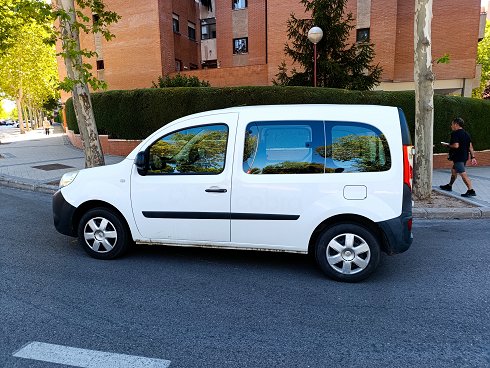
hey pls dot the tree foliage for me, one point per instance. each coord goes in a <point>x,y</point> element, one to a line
<point>3,113</point>
<point>15,14</point>
<point>339,65</point>
<point>99,23</point>
<point>483,91</point>
<point>28,70</point>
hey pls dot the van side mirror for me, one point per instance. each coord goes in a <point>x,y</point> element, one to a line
<point>141,163</point>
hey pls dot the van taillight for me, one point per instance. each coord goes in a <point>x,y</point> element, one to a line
<point>408,165</point>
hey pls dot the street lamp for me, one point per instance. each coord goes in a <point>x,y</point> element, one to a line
<point>315,34</point>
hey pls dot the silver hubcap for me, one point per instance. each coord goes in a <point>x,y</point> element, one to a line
<point>348,253</point>
<point>100,235</point>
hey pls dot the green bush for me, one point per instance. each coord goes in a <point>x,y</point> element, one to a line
<point>137,113</point>
<point>180,81</point>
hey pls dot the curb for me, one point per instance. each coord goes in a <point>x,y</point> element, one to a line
<point>42,188</point>
<point>451,213</point>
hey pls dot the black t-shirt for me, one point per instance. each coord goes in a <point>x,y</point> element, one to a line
<point>459,154</point>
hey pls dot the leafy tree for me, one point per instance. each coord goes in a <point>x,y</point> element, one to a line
<point>28,71</point>
<point>73,20</point>
<point>339,65</point>
<point>484,59</point>
<point>180,80</point>
<point>3,113</point>
<point>486,92</point>
<point>14,14</point>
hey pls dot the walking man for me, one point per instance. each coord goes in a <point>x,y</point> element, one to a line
<point>459,147</point>
<point>46,125</point>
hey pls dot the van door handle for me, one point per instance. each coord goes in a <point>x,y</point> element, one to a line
<point>215,190</point>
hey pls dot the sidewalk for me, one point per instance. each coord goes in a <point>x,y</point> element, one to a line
<point>34,161</point>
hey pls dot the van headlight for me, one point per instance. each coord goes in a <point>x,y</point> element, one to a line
<point>68,178</point>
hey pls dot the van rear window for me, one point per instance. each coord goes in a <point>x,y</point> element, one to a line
<point>355,147</point>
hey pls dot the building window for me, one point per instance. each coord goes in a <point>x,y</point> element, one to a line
<point>239,4</point>
<point>95,18</point>
<point>178,65</point>
<point>208,28</point>
<point>100,64</point>
<point>240,45</point>
<point>191,31</point>
<point>175,23</point>
<point>192,66</point>
<point>209,64</point>
<point>362,35</point>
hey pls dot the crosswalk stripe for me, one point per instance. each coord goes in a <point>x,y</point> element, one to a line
<point>86,358</point>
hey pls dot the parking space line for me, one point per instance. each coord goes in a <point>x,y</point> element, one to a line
<point>86,358</point>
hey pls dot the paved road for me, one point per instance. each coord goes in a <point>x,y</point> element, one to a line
<point>216,308</point>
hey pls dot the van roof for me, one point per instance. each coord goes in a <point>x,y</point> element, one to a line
<point>310,108</point>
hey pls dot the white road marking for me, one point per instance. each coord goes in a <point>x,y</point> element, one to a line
<point>86,358</point>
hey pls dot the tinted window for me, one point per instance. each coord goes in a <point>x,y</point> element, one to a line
<point>355,147</point>
<point>197,150</point>
<point>284,148</point>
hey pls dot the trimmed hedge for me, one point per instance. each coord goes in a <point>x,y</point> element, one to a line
<point>135,114</point>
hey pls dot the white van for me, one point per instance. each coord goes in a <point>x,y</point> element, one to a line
<point>330,180</point>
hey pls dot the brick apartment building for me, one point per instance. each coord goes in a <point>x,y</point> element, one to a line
<point>241,42</point>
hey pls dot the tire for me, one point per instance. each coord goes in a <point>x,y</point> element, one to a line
<point>102,234</point>
<point>347,252</point>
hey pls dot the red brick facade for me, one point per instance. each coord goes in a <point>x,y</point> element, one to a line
<point>145,46</point>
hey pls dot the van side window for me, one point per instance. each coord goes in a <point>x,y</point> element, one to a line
<point>282,147</point>
<point>196,150</point>
<point>355,147</point>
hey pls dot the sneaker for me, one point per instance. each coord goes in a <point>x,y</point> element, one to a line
<point>447,187</point>
<point>469,193</point>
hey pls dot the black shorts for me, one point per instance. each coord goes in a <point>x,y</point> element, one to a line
<point>459,167</point>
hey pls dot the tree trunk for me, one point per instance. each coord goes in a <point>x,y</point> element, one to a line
<point>18,102</point>
<point>80,93</point>
<point>30,115</point>
<point>424,99</point>
<point>26,117</point>
<point>36,117</point>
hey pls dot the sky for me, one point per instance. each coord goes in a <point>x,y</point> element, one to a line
<point>8,105</point>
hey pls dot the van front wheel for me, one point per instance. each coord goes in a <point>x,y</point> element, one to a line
<point>102,234</point>
<point>347,252</point>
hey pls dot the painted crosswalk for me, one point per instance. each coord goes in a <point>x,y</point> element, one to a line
<point>77,357</point>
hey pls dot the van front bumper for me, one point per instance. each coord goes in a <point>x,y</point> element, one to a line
<point>63,215</point>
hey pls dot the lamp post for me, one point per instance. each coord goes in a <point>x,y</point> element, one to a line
<point>315,34</point>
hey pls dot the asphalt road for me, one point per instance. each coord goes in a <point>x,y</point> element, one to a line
<point>220,308</point>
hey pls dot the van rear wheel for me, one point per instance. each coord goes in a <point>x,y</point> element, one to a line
<point>347,252</point>
<point>102,234</point>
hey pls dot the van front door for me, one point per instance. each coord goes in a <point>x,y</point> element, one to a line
<point>185,193</point>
